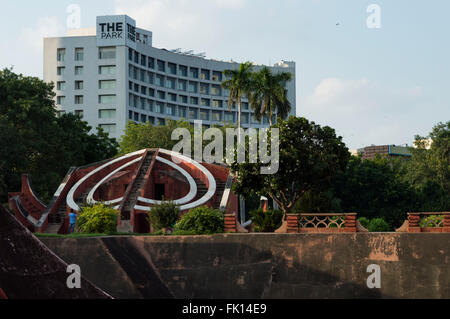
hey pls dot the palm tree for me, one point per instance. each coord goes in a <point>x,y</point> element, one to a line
<point>239,83</point>
<point>269,95</point>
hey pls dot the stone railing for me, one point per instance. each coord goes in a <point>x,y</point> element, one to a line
<point>427,223</point>
<point>322,223</point>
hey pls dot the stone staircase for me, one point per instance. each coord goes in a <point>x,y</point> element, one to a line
<point>139,182</point>
<point>219,193</point>
<point>56,220</point>
<point>201,188</point>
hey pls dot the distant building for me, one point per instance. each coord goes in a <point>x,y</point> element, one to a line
<point>113,74</point>
<point>385,150</point>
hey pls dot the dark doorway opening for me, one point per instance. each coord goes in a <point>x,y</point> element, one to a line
<point>142,225</point>
<point>160,191</point>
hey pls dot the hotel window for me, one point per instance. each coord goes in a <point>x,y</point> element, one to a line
<point>78,99</point>
<point>182,112</point>
<point>60,70</point>
<point>135,73</point>
<point>192,87</point>
<point>194,100</point>
<point>143,73</point>
<point>204,75</point>
<point>130,115</point>
<point>159,107</point>
<point>170,109</point>
<point>106,84</point>
<point>217,76</point>
<point>193,113</point>
<point>143,118</point>
<point>151,92</point>
<point>161,66</point>
<point>204,115</point>
<point>193,73</point>
<point>60,113</point>
<point>78,85</point>
<point>161,122</point>
<point>106,99</point>
<point>182,70</point>
<point>182,85</point>
<point>107,53</point>
<point>229,117</point>
<point>151,63</point>
<point>143,60</point>
<point>172,68</point>
<point>135,101</point>
<point>143,103</point>
<point>136,57</point>
<point>215,90</point>
<point>245,106</point>
<point>171,83</point>
<point>143,90</point>
<point>130,54</point>
<point>136,117</point>
<point>108,128</point>
<point>160,80</point>
<point>78,70</point>
<point>61,86</point>
<point>60,55</point>
<point>244,118</point>
<point>107,114</point>
<point>204,88</point>
<point>217,103</point>
<point>61,100</point>
<point>216,116</point>
<point>79,54</point>
<point>172,97</point>
<point>79,113</point>
<point>136,88</point>
<point>150,77</point>
<point>161,95</point>
<point>183,99</point>
<point>150,105</point>
<point>205,102</point>
<point>108,70</point>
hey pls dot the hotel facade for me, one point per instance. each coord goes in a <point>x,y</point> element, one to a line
<point>112,74</point>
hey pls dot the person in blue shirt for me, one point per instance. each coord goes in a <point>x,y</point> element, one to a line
<point>73,220</point>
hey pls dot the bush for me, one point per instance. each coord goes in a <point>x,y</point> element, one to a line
<point>374,225</point>
<point>268,221</point>
<point>432,221</point>
<point>201,220</point>
<point>365,222</point>
<point>164,215</point>
<point>97,219</point>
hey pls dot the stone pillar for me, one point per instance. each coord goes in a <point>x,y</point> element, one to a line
<point>230,223</point>
<point>292,223</point>
<point>447,223</point>
<point>413,223</point>
<point>350,223</point>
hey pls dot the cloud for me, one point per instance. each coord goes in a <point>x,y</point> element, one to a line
<point>365,112</point>
<point>45,27</point>
<point>180,22</point>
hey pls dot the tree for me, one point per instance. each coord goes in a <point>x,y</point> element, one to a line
<point>33,140</point>
<point>239,83</point>
<point>269,95</point>
<point>309,154</point>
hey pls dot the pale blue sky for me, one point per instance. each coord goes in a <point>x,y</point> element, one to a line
<point>374,86</point>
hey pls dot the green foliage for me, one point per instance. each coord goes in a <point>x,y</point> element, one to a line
<point>202,220</point>
<point>266,222</point>
<point>97,219</point>
<point>35,141</point>
<point>365,222</point>
<point>432,221</point>
<point>164,215</point>
<point>378,225</point>
<point>309,155</point>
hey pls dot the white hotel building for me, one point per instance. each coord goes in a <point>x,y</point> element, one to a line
<point>112,74</point>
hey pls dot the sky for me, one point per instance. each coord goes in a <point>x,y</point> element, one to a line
<point>372,85</point>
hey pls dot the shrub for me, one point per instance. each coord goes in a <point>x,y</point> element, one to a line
<point>268,221</point>
<point>97,219</point>
<point>432,221</point>
<point>164,215</point>
<point>365,222</point>
<point>201,220</point>
<point>379,225</point>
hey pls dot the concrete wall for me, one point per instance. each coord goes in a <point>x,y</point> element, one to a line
<point>263,265</point>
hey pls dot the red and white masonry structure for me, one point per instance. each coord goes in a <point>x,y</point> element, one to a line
<point>132,184</point>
